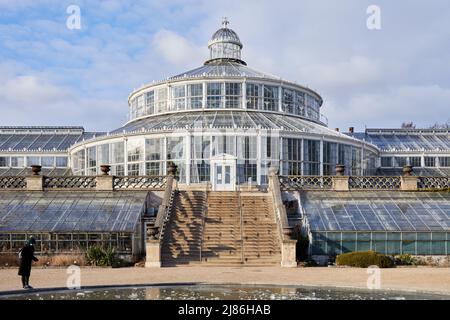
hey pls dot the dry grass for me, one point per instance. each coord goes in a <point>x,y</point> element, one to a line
<point>9,260</point>
<point>62,260</point>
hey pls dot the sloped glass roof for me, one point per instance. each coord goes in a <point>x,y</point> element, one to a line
<point>226,119</point>
<point>42,138</point>
<point>225,69</point>
<point>417,171</point>
<point>70,211</point>
<point>402,140</point>
<point>49,172</point>
<point>377,211</point>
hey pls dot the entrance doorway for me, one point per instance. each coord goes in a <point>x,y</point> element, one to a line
<point>223,173</point>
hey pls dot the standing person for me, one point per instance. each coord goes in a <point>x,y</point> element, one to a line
<point>26,259</point>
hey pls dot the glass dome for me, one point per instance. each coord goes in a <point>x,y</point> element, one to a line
<point>225,44</point>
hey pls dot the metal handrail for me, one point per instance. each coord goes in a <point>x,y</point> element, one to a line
<point>242,221</point>
<point>205,212</point>
<point>166,216</point>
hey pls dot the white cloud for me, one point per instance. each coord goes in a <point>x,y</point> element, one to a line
<point>423,105</point>
<point>176,49</point>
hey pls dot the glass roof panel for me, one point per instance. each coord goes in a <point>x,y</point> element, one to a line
<point>377,211</point>
<point>68,211</point>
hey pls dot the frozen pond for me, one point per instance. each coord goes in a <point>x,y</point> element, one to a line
<point>221,292</point>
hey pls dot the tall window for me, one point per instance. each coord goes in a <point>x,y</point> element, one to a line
<point>291,159</point>
<point>178,98</point>
<point>140,105</point>
<point>61,162</point>
<point>386,162</point>
<point>154,156</point>
<point>400,162</point>
<point>33,161</point>
<point>311,156</point>
<point>329,158</point>
<point>253,93</point>
<point>48,162</point>
<point>270,98</point>
<point>214,95</point>
<point>415,161</point>
<point>195,96</point>
<point>430,161</point>
<point>299,108</point>
<point>247,154</point>
<point>175,148</point>
<point>223,144</point>
<point>117,152</point>
<point>200,154</point>
<point>103,154</point>
<point>92,160</point>
<point>135,151</point>
<point>233,92</point>
<point>444,161</point>
<point>288,100</point>
<point>161,104</point>
<point>4,161</point>
<point>150,102</point>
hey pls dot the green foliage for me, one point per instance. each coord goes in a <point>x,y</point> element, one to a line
<point>100,256</point>
<point>364,259</point>
<point>406,260</point>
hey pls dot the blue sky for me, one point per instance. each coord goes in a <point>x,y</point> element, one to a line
<point>50,75</point>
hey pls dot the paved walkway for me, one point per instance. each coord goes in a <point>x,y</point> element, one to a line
<point>416,279</point>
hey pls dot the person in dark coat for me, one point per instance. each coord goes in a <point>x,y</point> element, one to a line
<point>26,259</point>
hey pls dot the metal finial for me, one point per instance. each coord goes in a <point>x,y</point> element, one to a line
<point>225,22</point>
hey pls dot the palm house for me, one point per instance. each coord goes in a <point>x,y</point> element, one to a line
<point>224,123</point>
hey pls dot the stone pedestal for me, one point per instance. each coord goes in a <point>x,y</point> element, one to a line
<point>105,183</point>
<point>288,258</point>
<point>409,183</point>
<point>153,254</point>
<point>340,183</point>
<point>35,183</point>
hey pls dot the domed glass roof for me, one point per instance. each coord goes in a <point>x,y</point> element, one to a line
<point>225,45</point>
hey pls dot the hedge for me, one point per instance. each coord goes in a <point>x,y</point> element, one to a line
<point>364,259</point>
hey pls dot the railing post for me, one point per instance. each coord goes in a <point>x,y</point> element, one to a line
<point>35,182</point>
<point>153,241</point>
<point>105,182</point>
<point>288,245</point>
<point>340,182</point>
<point>408,181</point>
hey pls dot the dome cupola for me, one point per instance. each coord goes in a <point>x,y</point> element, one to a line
<point>225,45</point>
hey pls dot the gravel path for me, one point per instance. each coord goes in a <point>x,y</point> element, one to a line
<point>415,279</point>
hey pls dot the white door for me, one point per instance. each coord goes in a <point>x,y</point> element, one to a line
<point>224,176</point>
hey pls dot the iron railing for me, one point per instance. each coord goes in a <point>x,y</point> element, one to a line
<point>139,182</point>
<point>13,182</point>
<point>305,182</point>
<point>70,182</point>
<point>433,183</point>
<point>374,183</point>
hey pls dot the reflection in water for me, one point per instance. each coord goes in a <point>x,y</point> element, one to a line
<point>224,292</point>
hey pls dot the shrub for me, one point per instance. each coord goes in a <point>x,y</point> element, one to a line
<point>364,259</point>
<point>100,256</point>
<point>407,260</point>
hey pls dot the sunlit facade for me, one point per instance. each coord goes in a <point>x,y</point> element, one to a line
<point>224,109</point>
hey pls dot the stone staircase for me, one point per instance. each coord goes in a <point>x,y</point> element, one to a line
<point>239,229</point>
<point>222,238</point>
<point>183,232</point>
<point>260,231</point>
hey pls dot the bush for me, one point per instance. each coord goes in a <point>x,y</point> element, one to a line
<point>406,260</point>
<point>364,259</point>
<point>100,256</point>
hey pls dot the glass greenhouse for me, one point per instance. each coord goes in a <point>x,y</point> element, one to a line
<point>386,222</point>
<point>65,221</point>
